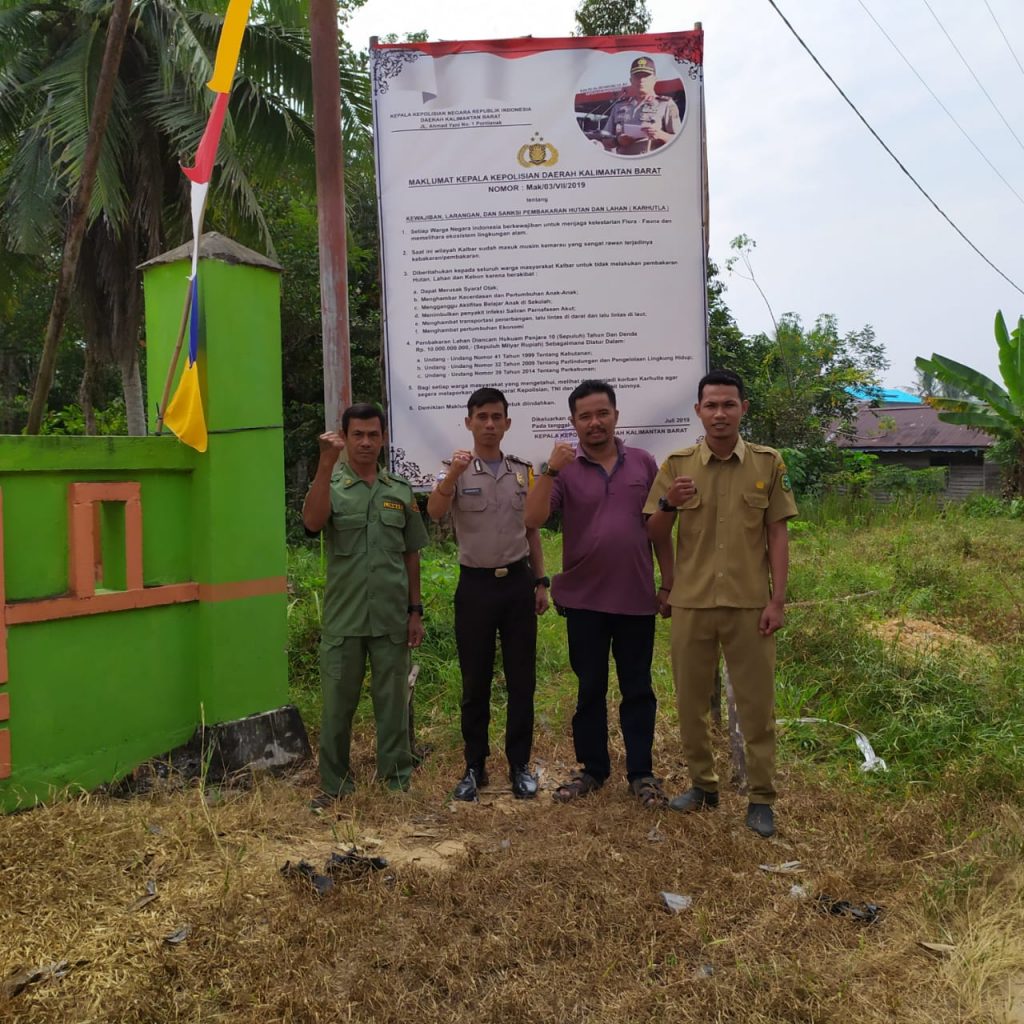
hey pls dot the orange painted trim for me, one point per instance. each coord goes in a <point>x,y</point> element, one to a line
<point>5,707</point>
<point>49,609</point>
<point>22,612</point>
<point>242,589</point>
<point>3,620</point>
<point>82,546</point>
<point>5,753</point>
<point>119,490</point>
<point>133,543</point>
<point>85,553</point>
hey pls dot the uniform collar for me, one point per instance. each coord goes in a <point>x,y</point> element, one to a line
<point>480,465</point>
<point>706,454</point>
<point>349,477</point>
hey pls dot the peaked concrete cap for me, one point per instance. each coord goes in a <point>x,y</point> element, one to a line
<point>214,246</point>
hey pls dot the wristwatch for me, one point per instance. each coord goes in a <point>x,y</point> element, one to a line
<point>417,608</point>
<point>664,506</point>
<point>547,470</point>
<point>542,581</point>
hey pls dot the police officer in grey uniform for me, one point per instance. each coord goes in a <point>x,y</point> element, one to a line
<point>502,589</point>
<point>642,121</point>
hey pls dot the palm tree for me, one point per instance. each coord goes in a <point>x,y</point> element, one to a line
<point>991,408</point>
<point>50,52</point>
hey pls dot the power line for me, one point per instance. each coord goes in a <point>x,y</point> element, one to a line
<point>1005,40</point>
<point>973,75</point>
<point>934,96</point>
<point>878,138</point>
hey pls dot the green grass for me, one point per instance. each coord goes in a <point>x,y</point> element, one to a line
<point>951,716</point>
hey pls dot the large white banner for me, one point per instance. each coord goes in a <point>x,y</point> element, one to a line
<point>542,222</point>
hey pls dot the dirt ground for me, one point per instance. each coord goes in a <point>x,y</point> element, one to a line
<point>510,911</point>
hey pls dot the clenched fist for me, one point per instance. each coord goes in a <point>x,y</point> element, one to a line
<point>332,444</point>
<point>561,455</point>
<point>460,463</point>
<point>682,490</point>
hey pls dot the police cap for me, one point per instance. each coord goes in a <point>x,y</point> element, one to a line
<point>642,66</point>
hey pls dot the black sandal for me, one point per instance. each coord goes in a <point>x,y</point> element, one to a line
<point>581,784</point>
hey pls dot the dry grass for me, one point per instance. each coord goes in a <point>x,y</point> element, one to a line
<point>916,638</point>
<point>509,911</point>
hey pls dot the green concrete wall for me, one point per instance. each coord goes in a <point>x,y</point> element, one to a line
<point>92,696</point>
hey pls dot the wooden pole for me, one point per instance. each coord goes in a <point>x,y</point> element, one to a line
<point>117,29</point>
<point>162,408</point>
<point>330,202</point>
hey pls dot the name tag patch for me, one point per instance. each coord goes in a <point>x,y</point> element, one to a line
<point>472,490</point>
<point>396,505</point>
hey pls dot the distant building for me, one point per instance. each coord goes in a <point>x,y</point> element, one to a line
<point>902,430</point>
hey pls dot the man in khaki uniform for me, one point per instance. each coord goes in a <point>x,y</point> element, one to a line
<point>642,121</point>
<point>372,607</point>
<point>732,500</point>
<point>501,591</point>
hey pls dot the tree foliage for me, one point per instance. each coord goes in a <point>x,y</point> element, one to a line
<point>998,410</point>
<point>49,59</point>
<point>801,381</point>
<point>612,18</point>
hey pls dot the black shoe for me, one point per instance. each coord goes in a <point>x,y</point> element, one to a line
<point>466,788</point>
<point>761,819</point>
<point>524,782</point>
<point>695,799</point>
<point>326,801</point>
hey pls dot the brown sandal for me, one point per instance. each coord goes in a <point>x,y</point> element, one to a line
<point>579,785</point>
<point>648,791</point>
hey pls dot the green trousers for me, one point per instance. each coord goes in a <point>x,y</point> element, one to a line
<point>697,636</point>
<point>342,668</point>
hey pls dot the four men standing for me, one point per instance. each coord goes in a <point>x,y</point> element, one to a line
<point>726,589</point>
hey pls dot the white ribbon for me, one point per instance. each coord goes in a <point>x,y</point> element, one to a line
<point>872,763</point>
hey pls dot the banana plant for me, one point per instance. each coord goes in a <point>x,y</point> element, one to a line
<point>997,410</point>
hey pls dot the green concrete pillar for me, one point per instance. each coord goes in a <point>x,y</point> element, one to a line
<point>238,530</point>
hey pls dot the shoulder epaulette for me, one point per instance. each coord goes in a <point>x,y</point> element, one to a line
<point>515,458</point>
<point>684,451</point>
<point>398,478</point>
<point>763,449</point>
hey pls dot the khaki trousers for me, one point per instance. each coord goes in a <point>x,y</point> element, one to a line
<point>697,635</point>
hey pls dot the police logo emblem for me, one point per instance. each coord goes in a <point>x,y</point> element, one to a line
<point>786,483</point>
<point>537,153</point>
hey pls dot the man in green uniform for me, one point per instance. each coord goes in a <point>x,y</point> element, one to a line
<point>372,607</point>
<point>732,500</point>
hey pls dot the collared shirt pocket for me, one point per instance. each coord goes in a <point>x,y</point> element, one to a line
<point>689,515</point>
<point>472,499</point>
<point>392,521</point>
<point>519,499</point>
<point>754,505</point>
<point>349,533</point>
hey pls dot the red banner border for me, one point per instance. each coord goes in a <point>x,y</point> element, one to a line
<point>684,45</point>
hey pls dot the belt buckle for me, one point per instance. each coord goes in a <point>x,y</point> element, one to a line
<point>502,572</point>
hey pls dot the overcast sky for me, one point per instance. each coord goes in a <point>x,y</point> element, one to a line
<point>839,229</point>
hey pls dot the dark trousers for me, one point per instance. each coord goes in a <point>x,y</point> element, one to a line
<point>487,606</point>
<point>631,640</point>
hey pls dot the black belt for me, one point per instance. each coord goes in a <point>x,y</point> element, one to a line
<point>499,571</point>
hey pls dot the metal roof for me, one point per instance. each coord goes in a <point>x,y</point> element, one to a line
<point>911,428</point>
<point>214,246</point>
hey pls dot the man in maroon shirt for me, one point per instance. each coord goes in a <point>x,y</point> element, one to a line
<point>606,589</point>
